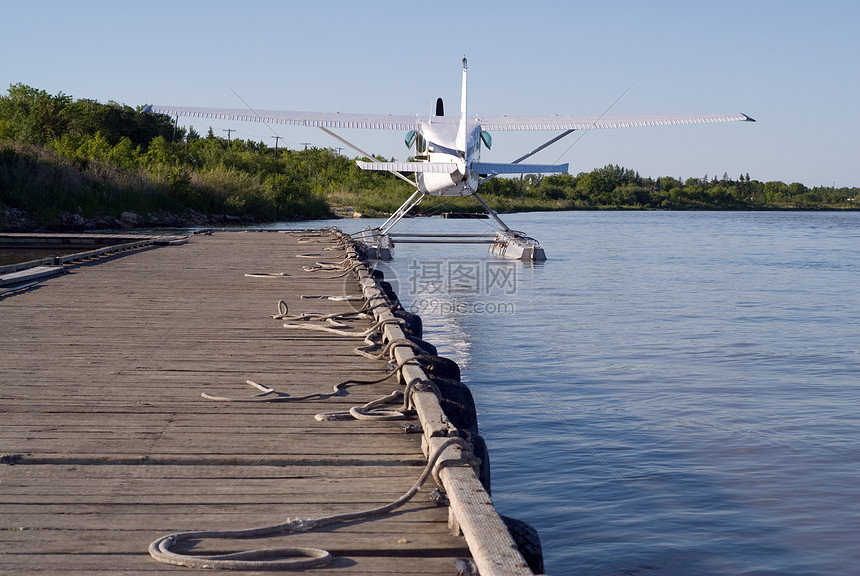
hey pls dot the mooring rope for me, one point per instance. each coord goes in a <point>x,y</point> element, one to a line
<point>370,411</point>
<point>365,350</point>
<point>318,327</point>
<point>266,275</point>
<point>351,257</point>
<point>336,276</point>
<point>283,309</point>
<point>332,298</point>
<point>295,558</point>
<point>269,394</point>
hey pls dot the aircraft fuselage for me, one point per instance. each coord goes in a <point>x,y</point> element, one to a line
<point>442,146</point>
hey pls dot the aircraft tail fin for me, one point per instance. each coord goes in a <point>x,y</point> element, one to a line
<point>461,133</point>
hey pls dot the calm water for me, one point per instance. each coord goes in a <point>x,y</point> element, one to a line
<point>18,255</point>
<point>670,393</point>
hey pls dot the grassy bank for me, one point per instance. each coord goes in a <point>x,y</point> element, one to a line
<point>67,164</point>
<point>41,189</point>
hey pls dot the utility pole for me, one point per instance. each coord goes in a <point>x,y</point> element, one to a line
<point>276,143</point>
<point>339,149</point>
<point>306,144</point>
<point>229,131</point>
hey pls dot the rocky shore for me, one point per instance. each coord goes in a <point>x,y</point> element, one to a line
<point>17,220</point>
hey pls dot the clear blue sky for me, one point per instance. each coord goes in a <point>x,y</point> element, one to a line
<point>793,66</point>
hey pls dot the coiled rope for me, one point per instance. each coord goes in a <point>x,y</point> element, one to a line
<point>370,411</point>
<point>295,558</point>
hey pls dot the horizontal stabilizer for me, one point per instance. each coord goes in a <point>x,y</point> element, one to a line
<point>432,167</point>
<point>493,168</point>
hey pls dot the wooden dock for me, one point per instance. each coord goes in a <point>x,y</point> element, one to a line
<point>107,444</point>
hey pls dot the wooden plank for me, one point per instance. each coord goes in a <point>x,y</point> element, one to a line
<point>403,540</point>
<point>30,274</point>
<point>107,443</point>
<point>38,524</point>
<point>142,564</point>
<point>71,475</point>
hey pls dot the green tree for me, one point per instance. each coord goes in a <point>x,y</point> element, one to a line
<point>775,192</point>
<point>32,116</point>
<point>160,153</point>
<point>125,154</point>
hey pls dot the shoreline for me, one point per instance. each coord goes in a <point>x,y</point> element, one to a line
<point>15,220</point>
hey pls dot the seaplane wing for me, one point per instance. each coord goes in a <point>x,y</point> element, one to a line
<point>595,122</point>
<point>294,118</point>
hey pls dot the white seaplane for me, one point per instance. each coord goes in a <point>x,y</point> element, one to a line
<point>447,160</point>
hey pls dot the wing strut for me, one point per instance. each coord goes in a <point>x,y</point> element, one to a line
<point>410,203</point>
<point>542,146</point>
<point>549,142</point>
<point>492,212</point>
<point>360,151</point>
